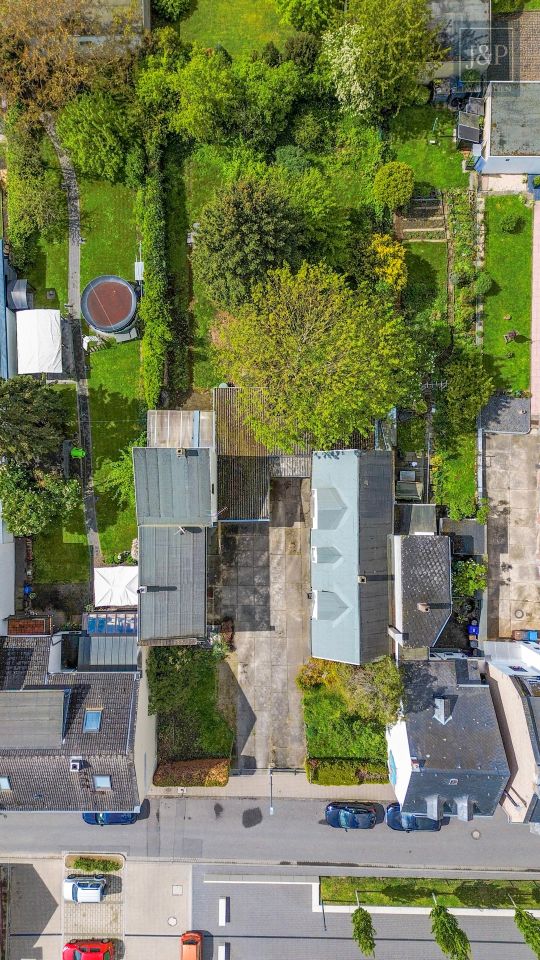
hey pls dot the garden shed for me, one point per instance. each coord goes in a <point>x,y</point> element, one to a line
<point>116,586</point>
<point>39,341</point>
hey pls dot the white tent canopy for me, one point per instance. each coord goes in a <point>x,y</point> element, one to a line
<point>116,586</point>
<point>39,341</point>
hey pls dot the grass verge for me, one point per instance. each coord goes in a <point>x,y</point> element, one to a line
<point>412,892</point>
<point>436,165</point>
<point>509,264</point>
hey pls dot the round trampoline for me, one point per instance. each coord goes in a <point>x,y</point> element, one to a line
<point>109,304</point>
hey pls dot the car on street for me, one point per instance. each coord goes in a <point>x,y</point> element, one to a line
<point>79,889</point>
<point>351,815</point>
<point>191,945</point>
<point>409,822</point>
<point>105,818</point>
<point>88,950</point>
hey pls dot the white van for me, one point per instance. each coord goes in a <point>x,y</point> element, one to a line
<point>84,889</point>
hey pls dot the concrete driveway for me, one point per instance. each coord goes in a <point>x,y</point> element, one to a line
<point>259,576</point>
<point>35,921</point>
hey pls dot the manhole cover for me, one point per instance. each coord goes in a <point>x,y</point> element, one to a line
<point>172,921</point>
<point>518,614</point>
<point>475,834</point>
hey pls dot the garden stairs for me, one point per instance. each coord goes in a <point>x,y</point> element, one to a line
<point>423,221</point>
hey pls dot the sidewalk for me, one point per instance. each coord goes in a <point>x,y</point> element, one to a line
<point>535,315</point>
<point>288,784</point>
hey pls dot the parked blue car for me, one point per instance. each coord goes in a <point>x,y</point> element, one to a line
<point>408,822</point>
<point>105,819</point>
<point>351,815</point>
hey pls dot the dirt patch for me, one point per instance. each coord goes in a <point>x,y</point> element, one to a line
<point>192,773</point>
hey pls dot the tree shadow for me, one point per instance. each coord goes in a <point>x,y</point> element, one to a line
<point>423,284</point>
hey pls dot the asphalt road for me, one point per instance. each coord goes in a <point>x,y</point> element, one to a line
<point>271,922</point>
<point>243,831</point>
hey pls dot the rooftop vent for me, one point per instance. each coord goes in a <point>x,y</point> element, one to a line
<point>423,607</point>
<point>75,764</point>
<point>442,709</point>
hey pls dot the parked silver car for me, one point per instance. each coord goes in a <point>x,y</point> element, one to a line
<point>79,889</point>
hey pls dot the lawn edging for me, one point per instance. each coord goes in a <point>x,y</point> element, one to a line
<point>419,911</point>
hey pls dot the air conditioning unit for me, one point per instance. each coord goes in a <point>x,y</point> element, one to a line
<point>75,764</point>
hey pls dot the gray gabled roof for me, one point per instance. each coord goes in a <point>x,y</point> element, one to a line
<point>172,583</point>
<point>422,587</point>
<point>353,516</point>
<point>172,486</point>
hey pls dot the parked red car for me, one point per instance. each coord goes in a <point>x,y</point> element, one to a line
<point>88,950</point>
<point>191,945</point>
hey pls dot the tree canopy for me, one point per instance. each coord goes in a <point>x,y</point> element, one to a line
<point>393,184</point>
<point>313,16</point>
<point>448,935</point>
<point>31,500</point>
<point>324,361</point>
<point>363,931</point>
<point>529,928</point>
<point>248,229</point>
<point>376,61</point>
<point>95,130</point>
<point>207,96</point>
<point>32,421</point>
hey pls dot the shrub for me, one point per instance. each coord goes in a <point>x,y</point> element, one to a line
<point>316,673</point>
<point>536,182</point>
<point>468,577</point>
<point>98,864</point>
<point>192,773</point>
<point>482,513</point>
<point>172,9</point>
<point>346,773</point>
<point>483,283</point>
<point>270,54</point>
<point>293,159</point>
<point>363,931</point>
<point>393,185</point>
<point>510,222</point>
<point>303,50</point>
<point>94,129</point>
<point>312,16</point>
<point>135,167</point>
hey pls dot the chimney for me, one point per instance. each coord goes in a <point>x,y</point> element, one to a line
<point>442,709</point>
<point>464,808</point>
<point>423,607</point>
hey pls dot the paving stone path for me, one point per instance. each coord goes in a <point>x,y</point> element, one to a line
<point>73,309</point>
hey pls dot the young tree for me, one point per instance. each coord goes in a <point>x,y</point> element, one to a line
<point>32,421</point>
<point>42,62</point>
<point>393,184</point>
<point>529,928</point>
<point>468,577</point>
<point>31,501</point>
<point>117,475</point>
<point>323,360</point>
<point>95,131</point>
<point>245,231</point>
<point>448,935</point>
<point>312,16</point>
<point>380,262</point>
<point>207,96</point>
<point>376,61</point>
<point>363,931</point>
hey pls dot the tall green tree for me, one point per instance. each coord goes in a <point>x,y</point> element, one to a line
<point>313,16</point>
<point>324,361</point>
<point>448,935</point>
<point>245,231</point>
<point>95,130</point>
<point>207,96</point>
<point>267,99</point>
<point>363,931</point>
<point>393,184</point>
<point>376,60</point>
<point>32,500</point>
<point>529,928</point>
<point>32,421</point>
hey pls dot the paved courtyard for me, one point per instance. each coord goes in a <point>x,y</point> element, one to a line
<point>512,477</point>
<point>259,576</point>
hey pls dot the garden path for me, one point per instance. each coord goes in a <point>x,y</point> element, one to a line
<point>535,316</point>
<point>73,307</point>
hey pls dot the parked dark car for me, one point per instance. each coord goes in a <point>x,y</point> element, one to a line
<point>351,815</point>
<point>408,822</point>
<point>105,819</point>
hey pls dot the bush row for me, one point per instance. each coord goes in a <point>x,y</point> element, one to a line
<point>345,772</point>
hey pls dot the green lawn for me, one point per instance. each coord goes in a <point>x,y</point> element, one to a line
<point>61,552</point>
<point>238,25</point>
<point>426,275</point>
<point>50,269</point>
<point>183,693</point>
<point>117,419</point>
<point>435,165</point>
<point>412,892</point>
<point>109,230</point>
<point>334,733</point>
<point>454,480</point>
<point>508,262</point>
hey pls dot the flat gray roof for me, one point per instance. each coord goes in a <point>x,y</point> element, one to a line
<point>352,517</point>
<point>172,486</point>
<point>463,25</point>
<point>172,568</point>
<point>32,719</point>
<point>515,119</point>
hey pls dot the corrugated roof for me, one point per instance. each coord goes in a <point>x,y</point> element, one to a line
<point>180,428</point>
<point>31,719</point>
<point>421,571</point>
<point>353,516</point>
<point>172,487</point>
<point>172,568</point>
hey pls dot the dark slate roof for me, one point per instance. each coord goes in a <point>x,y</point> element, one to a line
<point>245,466</point>
<point>174,563</point>
<point>468,748</point>
<point>468,537</point>
<point>39,774</point>
<point>172,487</point>
<point>504,414</point>
<point>421,575</point>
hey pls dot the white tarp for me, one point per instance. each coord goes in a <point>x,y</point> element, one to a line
<point>39,341</point>
<point>116,586</point>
